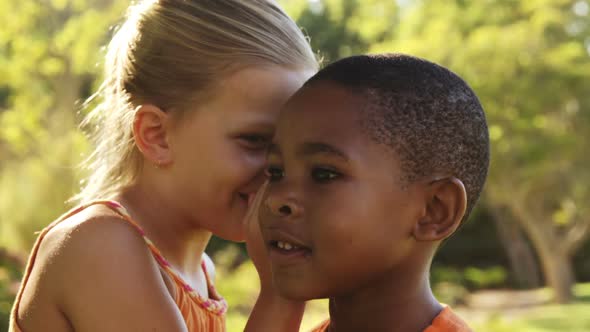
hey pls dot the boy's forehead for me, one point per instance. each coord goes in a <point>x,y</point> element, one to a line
<point>327,118</point>
<point>323,103</point>
<point>322,112</point>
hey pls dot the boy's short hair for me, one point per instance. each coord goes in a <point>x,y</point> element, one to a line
<point>428,115</point>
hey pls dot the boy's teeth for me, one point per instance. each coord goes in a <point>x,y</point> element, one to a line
<point>286,245</point>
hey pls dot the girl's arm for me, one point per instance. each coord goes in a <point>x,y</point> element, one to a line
<point>271,312</point>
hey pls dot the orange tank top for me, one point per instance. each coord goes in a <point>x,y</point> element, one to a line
<point>200,314</point>
<point>445,321</point>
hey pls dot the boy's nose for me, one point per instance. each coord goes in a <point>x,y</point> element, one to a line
<point>282,207</point>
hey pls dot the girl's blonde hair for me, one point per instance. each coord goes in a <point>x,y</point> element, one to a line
<point>170,53</point>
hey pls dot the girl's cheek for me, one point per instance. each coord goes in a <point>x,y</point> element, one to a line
<point>253,161</point>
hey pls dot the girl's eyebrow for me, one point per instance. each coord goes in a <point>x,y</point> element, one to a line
<point>258,125</point>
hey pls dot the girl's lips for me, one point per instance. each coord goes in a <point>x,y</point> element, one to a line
<point>251,198</point>
<point>247,198</point>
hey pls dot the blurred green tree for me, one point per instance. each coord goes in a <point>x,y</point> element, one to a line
<point>529,62</point>
<point>339,28</point>
<point>49,50</point>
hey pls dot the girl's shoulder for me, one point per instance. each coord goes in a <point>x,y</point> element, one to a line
<point>96,264</point>
<point>95,233</point>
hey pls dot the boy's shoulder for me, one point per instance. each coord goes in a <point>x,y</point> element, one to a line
<point>445,321</point>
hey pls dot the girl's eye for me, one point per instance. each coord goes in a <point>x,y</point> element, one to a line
<point>254,142</point>
<point>274,173</point>
<point>323,175</point>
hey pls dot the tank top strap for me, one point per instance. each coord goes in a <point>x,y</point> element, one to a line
<point>115,206</point>
<point>215,303</point>
<point>122,212</point>
<point>210,285</point>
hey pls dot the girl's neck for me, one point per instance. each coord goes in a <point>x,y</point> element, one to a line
<point>399,301</point>
<point>174,234</point>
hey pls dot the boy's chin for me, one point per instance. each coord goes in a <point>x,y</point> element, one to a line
<point>298,293</point>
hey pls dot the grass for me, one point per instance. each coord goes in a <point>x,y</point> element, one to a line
<point>573,317</point>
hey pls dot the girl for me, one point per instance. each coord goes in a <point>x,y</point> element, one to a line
<point>189,103</point>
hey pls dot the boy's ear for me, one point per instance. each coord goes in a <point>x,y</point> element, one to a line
<point>445,208</point>
<point>150,132</point>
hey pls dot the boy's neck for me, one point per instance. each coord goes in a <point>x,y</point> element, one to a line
<point>401,301</point>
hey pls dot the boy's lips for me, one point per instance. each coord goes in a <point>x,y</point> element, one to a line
<point>286,248</point>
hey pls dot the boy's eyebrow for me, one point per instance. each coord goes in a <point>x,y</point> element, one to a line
<point>311,148</point>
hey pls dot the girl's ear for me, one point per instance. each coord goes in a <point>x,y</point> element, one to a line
<point>446,205</point>
<point>150,132</point>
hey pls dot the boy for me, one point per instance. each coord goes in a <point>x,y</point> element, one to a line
<point>376,161</point>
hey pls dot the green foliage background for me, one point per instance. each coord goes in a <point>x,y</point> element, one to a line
<point>528,61</point>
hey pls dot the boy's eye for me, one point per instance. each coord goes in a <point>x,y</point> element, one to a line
<point>274,173</point>
<point>323,175</point>
<point>254,142</point>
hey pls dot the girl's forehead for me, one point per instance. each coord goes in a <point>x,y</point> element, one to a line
<point>262,84</point>
<point>251,95</point>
